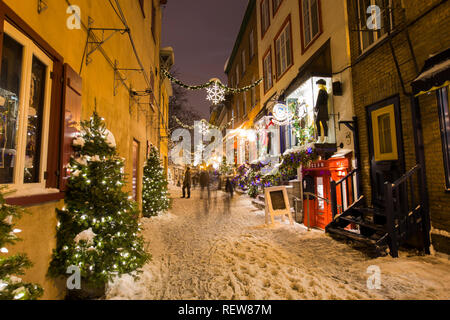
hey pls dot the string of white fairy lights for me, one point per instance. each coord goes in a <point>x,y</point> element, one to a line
<point>203,123</point>
<point>216,89</point>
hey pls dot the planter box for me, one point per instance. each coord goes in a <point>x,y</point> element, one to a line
<point>87,292</point>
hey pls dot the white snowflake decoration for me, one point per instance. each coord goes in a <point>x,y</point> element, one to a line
<point>216,94</point>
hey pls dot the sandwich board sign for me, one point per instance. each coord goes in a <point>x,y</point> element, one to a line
<point>277,204</point>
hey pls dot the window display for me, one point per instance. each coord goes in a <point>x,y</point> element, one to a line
<point>312,107</point>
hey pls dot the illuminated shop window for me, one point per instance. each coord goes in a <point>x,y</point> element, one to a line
<point>25,94</point>
<point>304,125</point>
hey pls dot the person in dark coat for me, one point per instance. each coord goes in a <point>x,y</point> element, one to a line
<point>321,110</point>
<point>204,182</point>
<point>187,183</point>
<point>229,187</point>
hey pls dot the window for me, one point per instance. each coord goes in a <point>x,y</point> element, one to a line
<point>267,69</point>
<point>238,113</point>
<point>311,24</point>
<point>283,50</point>
<point>444,115</point>
<point>244,66</point>
<point>276,5</point>
<point>25,95</point>
<point>135,169</point>
<point>265,17</point>
<point>253,94</point>
<point>381,23</point>
<point>244,104</point>
<point>237,75</point>
<point>384,134</point>
<point>252,45</point>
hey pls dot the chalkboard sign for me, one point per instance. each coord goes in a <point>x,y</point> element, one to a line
<point>277,204</point>
<point>277,199</point>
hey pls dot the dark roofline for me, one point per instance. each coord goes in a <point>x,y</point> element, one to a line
<point>245,21</point>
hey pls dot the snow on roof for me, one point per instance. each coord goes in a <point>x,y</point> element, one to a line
<point>432,71</point>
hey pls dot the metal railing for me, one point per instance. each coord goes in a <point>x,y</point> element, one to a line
<point>403,200</point>
<point>350,191</point>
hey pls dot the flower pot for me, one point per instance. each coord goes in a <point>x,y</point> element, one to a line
<point>88,291</point>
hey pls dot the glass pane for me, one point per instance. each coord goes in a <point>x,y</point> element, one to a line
<point>384,132</point>
<point>11,78</point>
<point>34,127</point>
<point>306,22</point>
<point>314,18</point>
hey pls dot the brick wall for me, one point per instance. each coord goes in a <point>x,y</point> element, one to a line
<point>375,78</point>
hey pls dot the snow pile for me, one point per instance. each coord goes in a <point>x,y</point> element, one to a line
<point>202,250</point>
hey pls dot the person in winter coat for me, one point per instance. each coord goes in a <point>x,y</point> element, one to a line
<point>187,183</point>
<point>229,187</point>
<point>204,182</point>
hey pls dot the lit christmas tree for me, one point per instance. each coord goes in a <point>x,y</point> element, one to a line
<point>11,286</point>
<point>154,194</point>
<point>98,230</point>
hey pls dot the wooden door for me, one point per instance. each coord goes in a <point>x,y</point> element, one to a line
<point>385,146</point>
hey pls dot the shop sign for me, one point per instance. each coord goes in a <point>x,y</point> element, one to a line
<point>277,204</point>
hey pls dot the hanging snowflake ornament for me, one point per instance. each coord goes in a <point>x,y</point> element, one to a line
<point>216,94</point>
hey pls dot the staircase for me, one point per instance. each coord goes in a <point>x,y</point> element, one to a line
<point>384,229</point>
<point>363,225</point>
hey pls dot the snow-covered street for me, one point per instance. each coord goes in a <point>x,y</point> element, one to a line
<point>215,254</point>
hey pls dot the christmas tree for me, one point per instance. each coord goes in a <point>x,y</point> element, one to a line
<point>154,194</point>
<point>98,230</point>
<point>11,286</point>
<point>224,168</point>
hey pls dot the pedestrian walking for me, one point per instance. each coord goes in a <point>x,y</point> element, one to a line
<point>187,183</point>
<point>204,183</point>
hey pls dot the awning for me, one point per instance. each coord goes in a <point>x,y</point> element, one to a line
<point>435,74</point>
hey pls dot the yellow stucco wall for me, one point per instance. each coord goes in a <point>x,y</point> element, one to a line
<point>127,120</point>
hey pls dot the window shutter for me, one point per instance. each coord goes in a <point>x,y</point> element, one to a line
<point>54,136</point>
<point>71,118</point>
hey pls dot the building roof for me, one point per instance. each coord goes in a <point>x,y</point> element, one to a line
<point>245,21</point>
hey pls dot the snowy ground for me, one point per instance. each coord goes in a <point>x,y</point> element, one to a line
<point>202,252</point>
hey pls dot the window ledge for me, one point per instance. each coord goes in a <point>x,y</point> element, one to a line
<point>33,197</point>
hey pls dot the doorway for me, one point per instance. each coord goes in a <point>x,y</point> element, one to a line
<point>385,146</point>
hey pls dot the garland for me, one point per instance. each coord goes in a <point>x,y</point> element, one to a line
<point>210,83</point>
<point>210,126</point>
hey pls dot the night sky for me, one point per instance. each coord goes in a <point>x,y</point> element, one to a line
<point>202,34</point>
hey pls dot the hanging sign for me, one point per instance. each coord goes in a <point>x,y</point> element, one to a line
<point>281,114</point>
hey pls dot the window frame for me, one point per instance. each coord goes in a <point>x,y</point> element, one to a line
<point>30,49</point>
<point>251,45</point>
<point>304,46</point>
<point>375,115</point>
<point>268,53</point>
<point>244,104</point>
<point>275,9</point>
<point>263,32</point>
<point>286,23</point>
<point>244,62</point>
<point>237,75</point>
<point>443,96</point>
<point>377,38</point>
